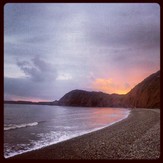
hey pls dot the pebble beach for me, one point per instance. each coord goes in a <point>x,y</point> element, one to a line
<point>136,137</point>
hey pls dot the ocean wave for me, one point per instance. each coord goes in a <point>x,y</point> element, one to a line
<point>17,126</point>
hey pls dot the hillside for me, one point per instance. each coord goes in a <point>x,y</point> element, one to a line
<point>89,99</point>
<point>144,95</point>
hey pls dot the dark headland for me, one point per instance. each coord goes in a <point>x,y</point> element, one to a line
<point>136,137</point>
<point>146,94</point>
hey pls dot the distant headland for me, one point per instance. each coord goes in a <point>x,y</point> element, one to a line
<point>146,94</point>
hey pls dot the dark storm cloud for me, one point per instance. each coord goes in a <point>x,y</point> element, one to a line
<point>21,17</point>
<point>33,17</point>
<point>37,69</point>
<point>53,48</point>
<point>13,51</point>
<point>134,31</point>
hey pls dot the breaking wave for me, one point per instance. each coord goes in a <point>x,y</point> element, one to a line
<point>17,126</point>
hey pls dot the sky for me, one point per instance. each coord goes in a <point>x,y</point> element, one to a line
<point>53,48</point>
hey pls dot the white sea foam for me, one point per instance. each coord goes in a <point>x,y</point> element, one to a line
<point>53,137</point>
<point>16,126</point>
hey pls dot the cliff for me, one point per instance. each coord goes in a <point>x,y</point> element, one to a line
<point>144,95</point>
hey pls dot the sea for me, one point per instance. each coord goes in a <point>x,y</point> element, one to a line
<point>30,127</point>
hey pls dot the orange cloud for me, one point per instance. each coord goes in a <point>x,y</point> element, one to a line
<point>110,86</point>
<point>120,81</point>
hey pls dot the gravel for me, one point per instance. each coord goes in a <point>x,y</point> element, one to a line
<point>136,137</point>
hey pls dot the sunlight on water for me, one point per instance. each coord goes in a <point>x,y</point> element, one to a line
<point>29,127</point>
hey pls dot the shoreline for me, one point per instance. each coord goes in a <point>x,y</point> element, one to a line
<point>135,137</point>
<point>128,110</point>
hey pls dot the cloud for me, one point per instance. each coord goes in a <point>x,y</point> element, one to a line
<point>22,88</point>
<point>19,88</point>
<point>129,33</point>
<point>55,48</point>
<point>64,77</point>
<point>110,86</point>
<point>37,69</point>
<point>124,25</point>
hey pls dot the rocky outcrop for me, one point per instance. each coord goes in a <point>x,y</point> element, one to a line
<point>145,95</point>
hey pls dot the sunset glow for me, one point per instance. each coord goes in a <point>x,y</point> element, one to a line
<point>110,86</point>
<point>32,99</point>
<point>51,49</point>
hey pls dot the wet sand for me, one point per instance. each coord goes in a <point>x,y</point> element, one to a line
<point>136,137</point>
